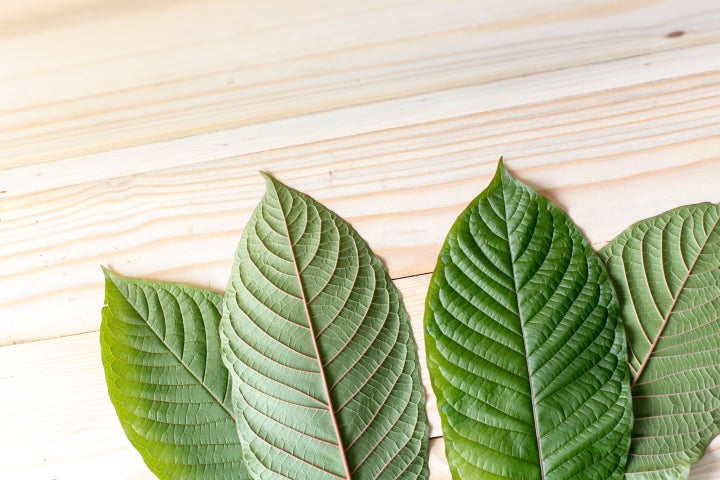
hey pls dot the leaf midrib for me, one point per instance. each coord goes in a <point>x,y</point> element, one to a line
<point>522,328</point>
<point>311,327</point>
<point>180,360</point>
<point>671,309</point>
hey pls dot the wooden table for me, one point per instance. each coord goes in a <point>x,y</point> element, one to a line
<point>132,133</point>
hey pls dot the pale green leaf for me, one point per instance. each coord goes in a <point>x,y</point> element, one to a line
<point>161,353</point>
<point>667,274</point>
<point>323,366</point>
<point>525,351</point>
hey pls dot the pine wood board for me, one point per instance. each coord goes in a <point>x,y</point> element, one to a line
<point>608,158</point>
<point>505,93</point>
<point>91,76</point>
<point>58,388</point>
<point>58,421</point>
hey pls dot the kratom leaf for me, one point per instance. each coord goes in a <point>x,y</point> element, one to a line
<point>526,354</point>
<point>323,366</point>
<point>667,274</point>
<point>161,353</point>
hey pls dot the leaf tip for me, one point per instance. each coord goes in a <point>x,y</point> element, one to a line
<point>107,273</point>
<point>501,172</point>
<point>112,280</point>
<point>271,182</point>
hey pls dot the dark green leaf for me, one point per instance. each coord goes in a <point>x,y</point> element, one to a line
<point>526,355</point>
<point>667,274</point>
<point>324,369</point>
<point>161,353</point>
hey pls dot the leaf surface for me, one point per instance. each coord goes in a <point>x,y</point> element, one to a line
<point>666,271</point>
<point>525,351</point>
<point>161,353</point>
<point>324,369</point>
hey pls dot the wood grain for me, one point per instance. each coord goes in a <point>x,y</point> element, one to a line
<point>59,422</point>
<point>609,158</point>
<point>91,76</point>
<point>132,131</point>
<point>81,425</point>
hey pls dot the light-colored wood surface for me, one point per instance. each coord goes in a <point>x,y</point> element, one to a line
<point>131,134</point>
<point>63,426</point>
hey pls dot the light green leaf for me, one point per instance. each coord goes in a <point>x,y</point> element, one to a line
<point>525,351</point>
<point>323,366</point>
<point>667,274</point>
<point>161,353</point>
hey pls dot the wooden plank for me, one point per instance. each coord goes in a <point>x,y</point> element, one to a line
<point>84,77</point>
<point>58,421</point>
<point>354,120</point>
<point>609,158</point>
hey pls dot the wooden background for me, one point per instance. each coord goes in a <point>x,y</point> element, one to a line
<point>131,134</point>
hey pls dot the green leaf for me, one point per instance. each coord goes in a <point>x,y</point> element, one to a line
<point>525,351</point>
<point>161,353</point>
<point>667,274</point>
<point>322,361</point>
